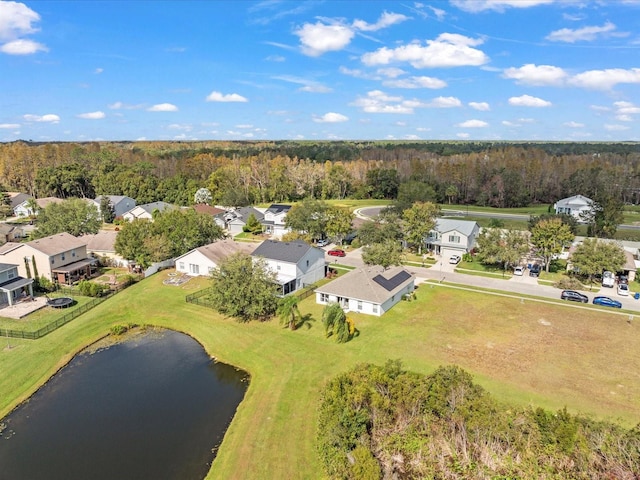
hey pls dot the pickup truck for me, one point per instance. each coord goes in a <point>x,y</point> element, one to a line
<point>608,279</point>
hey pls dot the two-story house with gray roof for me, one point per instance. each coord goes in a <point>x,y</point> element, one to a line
<point>12,286</point>
<point>121,204</point>
<point>452,237</point>
<point>295,264</point>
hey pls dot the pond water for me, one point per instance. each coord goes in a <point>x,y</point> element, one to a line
<point>153,407</point>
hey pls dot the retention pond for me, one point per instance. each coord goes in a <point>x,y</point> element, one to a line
<point>152,407</point>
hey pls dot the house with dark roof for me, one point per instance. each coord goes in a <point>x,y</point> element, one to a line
<point>121,204</point>
<point>218,214</point>
<point>60,258</point>
<point>237,219</point>
<point>296,264</point>
<point>13,287</point>
<point>19,203</point>
<point>452,237</point>
<point>369,290</point>
<point>273,222</point>
<point>203,260</point>
<point>147,210</point>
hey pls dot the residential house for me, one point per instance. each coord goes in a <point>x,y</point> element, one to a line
<point>218,214</point>
<point>10,233</point>
<point>369,290</point>
<point>61,258</point>
<point>237,219</point>
<point>147,210</point>
<point>295,264</point>
<point>577,206</point>
<point>19,203</point>
<point>102,246</point>
<point>273,222</point>
<point>121,204</point>
<point>452,237</point>
<point>45,201</point>
<point>203,260</point>
<point>13,287</point>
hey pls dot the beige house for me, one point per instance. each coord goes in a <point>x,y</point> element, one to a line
<point>61,258</point>
<point>203,260</point>
<point>102,245</point>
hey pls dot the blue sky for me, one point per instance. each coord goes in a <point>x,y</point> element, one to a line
<point>320,70</point>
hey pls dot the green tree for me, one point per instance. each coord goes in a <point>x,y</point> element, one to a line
<point>569,220</point>
<point>32,207</point>
<point>451,192</point>
<point>505,247</point>
<point>413,192</point>
<point>383,182</point>
<point>244,288</point>
<point>594,256</point>
<point>75,216</point>
<point>419,220</point>
<point>288,310</point>
<point>549,237</point>
<point>384,254</point>
<point>130,242</point>
<point>339,223</point>
<point>335,322</point>
<point>252,225</point>
<point>106,209</point>
<point>308,216</point>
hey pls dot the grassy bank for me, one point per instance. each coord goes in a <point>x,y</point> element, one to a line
<point>523,352</point>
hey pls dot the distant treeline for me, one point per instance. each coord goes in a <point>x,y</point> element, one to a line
<point>497,174</point>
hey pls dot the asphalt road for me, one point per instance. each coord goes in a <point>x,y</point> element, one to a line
<point>515,286</point>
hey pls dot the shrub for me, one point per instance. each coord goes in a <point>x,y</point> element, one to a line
<point>568,283</point>
<point>92,289</point>
<point>119,329</point>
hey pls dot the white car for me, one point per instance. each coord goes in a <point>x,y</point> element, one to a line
<point>454,259</point>
<point>623,289</point>
<point>323,242</point>
<point>518,271</point>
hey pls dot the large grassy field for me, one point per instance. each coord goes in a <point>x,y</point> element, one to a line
<point>526,353</point>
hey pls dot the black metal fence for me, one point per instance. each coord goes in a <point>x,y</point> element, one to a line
<point>75,313</point>
<point>197,297</point>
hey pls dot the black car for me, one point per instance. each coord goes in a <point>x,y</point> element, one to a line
<point>534,271</point>
<point>574,296</point>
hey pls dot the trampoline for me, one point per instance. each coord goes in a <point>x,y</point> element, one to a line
<point>60,302</point>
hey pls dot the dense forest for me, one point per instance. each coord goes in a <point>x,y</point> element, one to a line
<point>241,173</point>
<point>385,422</point>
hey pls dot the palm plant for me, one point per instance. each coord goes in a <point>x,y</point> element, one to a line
<point>335,322</point>
<point>288,311</point>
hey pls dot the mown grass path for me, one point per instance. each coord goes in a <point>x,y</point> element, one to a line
<point>524,353</point>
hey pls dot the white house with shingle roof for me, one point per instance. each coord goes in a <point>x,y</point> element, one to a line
<point>295,263</point>
<point>369,290</point>
<point>451,236</point>
<point>60,258</point>
<point>203,260</point>
<point>577,206</point>
<point>147,210</point>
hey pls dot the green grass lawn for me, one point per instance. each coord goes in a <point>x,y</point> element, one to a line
<point>524,352</point>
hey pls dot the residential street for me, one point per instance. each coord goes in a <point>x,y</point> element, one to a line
<point>524,285</point>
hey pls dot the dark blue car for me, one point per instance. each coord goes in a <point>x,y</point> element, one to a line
<point>606,302</point>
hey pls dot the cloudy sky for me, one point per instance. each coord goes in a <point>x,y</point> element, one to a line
<point>332,69</point>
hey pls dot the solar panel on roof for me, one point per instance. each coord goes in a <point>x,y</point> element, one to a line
<point>393,282</point>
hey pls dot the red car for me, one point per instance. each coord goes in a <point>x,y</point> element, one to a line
<point>337,253</point>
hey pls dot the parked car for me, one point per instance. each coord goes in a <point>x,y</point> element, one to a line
<point>607,302</point>
<point>608,280</point>
<point>454,259</point>
<point>623,289</point>
<point>534,271</point>
<point>337,253</point>
<point>518,271</point>
<point>574,296</point>
<point>323,242</point>
<point>623,279</point>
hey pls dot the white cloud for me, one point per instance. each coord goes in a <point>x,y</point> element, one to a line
<point>463,135</point>
<point>615,128</point>
<point>416,82</point>
<point>386,20</point>
<point>531,74</point>
<point>498,5</point>
<point>390,72</point>
<point>22,47</point>
<point>229,97</point>
<point>180,127</point>
<point>124,106</point>
<point>444,102</point>
<point>586,34</point>
<point>245,126</point>
<point>310,86</point>
<point>98,71</point>
<point>528,101</point>
<point>163,107</point>
<point>573,124</point>
<point>605,79</point>
<point>16,20</point>
<point>626,108</point>
<point>48,118</point>
<point>331,117</point>
<point>481,106</point>
<point>9,125</point>
<point>275,58</point>
<point>377,101</point>
<point>92,115</point>
<point>448,50</point>
<point>473,124</point>
<point>320,38</point>
<point>508,123</point>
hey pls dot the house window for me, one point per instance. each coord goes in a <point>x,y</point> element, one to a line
<point>278,267</point>
<point>73,253</point>
<point>454,238</point>
<point>324,297</point>
<point>53,259</point>
<point>195,269</point>
<point>359,305</point>
<point>62,257</point>
<point>181,265</point>
<point>10,274</point>
<point>374,308</point>
<point>307,263</point>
